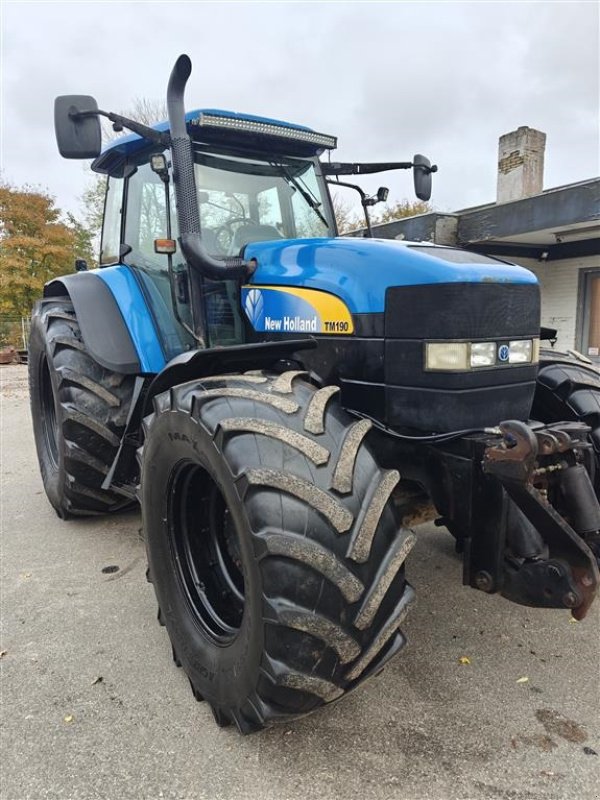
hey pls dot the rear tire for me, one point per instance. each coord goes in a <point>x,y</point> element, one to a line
<point>275,551</point>
<point>569,389</point>
<point>79,411</point>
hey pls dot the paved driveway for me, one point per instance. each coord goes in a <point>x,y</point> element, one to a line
<point>93,707</point>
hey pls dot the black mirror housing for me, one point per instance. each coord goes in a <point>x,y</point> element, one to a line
<point>77,136</point>
<point>422,177</point>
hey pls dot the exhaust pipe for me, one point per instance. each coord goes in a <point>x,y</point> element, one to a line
<point>188,214</point>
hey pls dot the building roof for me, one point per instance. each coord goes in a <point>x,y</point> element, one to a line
<point>563,222</point>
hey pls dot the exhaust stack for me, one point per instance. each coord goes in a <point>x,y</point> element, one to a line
<point>190,237</point>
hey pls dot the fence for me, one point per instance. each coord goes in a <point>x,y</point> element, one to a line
<point>14,330</point>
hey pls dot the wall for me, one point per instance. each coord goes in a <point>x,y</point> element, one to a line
<point>559,282</point>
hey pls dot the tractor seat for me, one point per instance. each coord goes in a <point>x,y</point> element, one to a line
<point>253,233</point>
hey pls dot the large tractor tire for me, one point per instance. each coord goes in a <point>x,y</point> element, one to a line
<point>79,412</point>
<point>274,548</point>
<point>569,389</point>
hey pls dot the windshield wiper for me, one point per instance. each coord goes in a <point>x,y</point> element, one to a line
<point>309,199</point>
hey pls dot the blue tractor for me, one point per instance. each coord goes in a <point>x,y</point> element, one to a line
<point>286,405</point>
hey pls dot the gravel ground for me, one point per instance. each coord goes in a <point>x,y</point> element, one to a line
<point>93,707</point>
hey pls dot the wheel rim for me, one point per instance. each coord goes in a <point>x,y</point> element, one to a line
<point>49,420</point>
<point>207,556</point>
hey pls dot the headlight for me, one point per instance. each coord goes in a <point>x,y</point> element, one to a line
<point>520,352</point>
<point>447,356</point>
<point>467,356</point>
<point>483,354</point>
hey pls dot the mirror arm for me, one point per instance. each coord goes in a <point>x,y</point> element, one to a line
<point>337,168</point>
<point>364,200</point>
<point>120,122</point>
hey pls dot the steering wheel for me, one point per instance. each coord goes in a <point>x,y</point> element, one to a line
<point>224,233</point>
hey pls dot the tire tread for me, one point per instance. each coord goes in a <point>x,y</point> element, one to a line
<point>93,405</point>
<point>567,389</point>
<point>352,626</point>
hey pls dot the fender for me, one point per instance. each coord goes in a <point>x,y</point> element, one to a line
<point>216,360</point>
<point>116,323</point>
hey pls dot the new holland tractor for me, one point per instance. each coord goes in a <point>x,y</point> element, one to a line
<point>286,405</point>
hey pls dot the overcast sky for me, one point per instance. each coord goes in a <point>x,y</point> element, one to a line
<point>389,79</point>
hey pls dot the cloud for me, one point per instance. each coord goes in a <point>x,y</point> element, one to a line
<point>390,79</point>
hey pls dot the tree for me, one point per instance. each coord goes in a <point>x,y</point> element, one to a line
<point>346,219</point>
<point>92,201</point>
<point>36,245</point>
<point>401,209</point>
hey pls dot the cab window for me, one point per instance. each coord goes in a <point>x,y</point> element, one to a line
<point>111,227</point>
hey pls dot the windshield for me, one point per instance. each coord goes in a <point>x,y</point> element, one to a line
<point>241,200</point>
<point>244,200</point>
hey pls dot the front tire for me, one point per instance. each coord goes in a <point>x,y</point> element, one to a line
<point>273,546</point>
<point>79,410</point>
<point>569,389</point>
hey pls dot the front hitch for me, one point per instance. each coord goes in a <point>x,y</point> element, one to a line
<point>542,471</point>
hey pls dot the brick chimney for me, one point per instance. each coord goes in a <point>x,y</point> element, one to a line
<point>520,164</point>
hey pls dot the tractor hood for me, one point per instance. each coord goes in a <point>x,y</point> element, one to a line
<point>377,305</point>
<point>359,271</point>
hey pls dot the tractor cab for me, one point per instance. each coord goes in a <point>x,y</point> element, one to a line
<point>246,192</point>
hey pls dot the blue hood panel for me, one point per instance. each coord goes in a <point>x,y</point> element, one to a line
<point>359,271</point>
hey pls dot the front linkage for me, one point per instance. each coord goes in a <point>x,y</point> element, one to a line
<point>521,504</point>
<point>544,475</point>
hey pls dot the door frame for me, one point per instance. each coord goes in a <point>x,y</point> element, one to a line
<point>583,309</point>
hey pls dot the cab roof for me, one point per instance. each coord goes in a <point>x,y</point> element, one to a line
<point>228,128</point>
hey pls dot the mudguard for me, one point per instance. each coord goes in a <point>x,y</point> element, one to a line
<point>199,363</point>
<point>116,323</point>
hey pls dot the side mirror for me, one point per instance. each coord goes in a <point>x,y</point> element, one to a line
<point>78,134</point>
<point>80,265</point>
<point>422,170</point>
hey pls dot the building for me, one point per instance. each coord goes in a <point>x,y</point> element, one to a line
<point>553,232</point>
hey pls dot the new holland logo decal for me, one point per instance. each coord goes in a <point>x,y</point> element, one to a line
<point>254,305</point>
<point>291,310</point>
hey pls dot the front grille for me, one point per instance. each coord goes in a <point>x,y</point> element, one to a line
<point>462,311</point>
<point>445,401</point>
